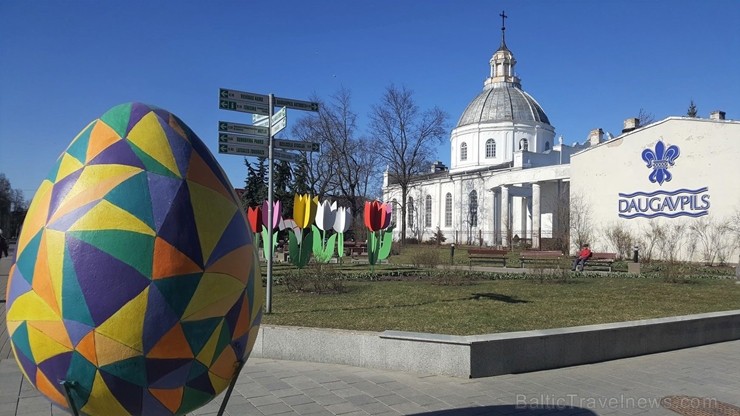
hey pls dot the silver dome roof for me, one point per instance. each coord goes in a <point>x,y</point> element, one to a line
<point>502,101</point>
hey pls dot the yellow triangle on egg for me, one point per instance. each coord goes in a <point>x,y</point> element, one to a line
<point>213,213</point>
<point>55,242</point>
<point>205,355</point>
<point>43,346</point>
<point>216,289</point>
<point>67,166</point>
<point>36,215</point>
<point>108,351</point>
<point>102,401</point>
<point>54,330</point>
<point>30,307</point>
<point>106,216</point>
<point>126,326</point>
<point>149,136</point>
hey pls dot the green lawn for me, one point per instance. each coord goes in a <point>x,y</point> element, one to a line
<point>490,306</point>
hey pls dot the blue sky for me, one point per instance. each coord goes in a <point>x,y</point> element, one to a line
<point>590,64</point>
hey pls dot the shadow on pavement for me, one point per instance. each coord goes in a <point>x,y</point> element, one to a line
<point>510,409</point>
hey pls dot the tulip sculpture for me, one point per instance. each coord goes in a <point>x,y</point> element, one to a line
<point>380,238</point>
<point>300,244</point>
<point>342,222</point>
<point>254,218</point>
<point>276,219</point>
<point>325,216</point>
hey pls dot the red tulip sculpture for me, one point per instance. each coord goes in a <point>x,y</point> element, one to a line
<point>254,218</point>
<point>380,237</point>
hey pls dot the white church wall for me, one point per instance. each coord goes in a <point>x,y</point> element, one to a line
<point>612,183</point>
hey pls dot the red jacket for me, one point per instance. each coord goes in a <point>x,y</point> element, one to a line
<point>585,253</point>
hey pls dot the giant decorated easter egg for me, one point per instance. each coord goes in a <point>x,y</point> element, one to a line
<point>136,286</point>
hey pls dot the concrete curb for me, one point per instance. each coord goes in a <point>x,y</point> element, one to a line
<point>495,354</point>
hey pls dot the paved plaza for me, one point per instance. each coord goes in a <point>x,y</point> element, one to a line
<point>622,387</point>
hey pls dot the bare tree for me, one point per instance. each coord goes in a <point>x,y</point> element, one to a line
<point>581,224</point>
<point>345,163</point>
<point>645,117</point>
<point>405,138</point>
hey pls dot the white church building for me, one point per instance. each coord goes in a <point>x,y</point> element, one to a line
<point>508,176</point>
<point>671,187</point>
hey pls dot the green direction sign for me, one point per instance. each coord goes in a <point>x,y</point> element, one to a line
<point>245,129</point>
<point>290,157</point>
<point>242,106</point>
<point>232,149</point>
<point>253,98</point>
<point>297,145</point>
<point>295,104</point>
<point>244,140</point>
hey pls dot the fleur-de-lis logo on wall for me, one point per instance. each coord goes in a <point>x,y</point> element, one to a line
<point>660,160</point>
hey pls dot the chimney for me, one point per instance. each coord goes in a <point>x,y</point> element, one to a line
<point>438,166</point>
<point>717,115</point>
<point>595,136</point>
<point>631,124</point>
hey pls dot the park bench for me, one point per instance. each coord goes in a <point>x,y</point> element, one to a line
<point>601,261</point>
<point>486,255</point>
<point>542,258</point>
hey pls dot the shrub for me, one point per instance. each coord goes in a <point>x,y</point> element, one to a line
<point>425,257</point>
<point>315,280</point>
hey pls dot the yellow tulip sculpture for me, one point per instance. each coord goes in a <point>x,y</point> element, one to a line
<point>304,212</point>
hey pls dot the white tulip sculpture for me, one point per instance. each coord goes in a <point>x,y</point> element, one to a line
<point>342,222</point>
<point>325,217</point>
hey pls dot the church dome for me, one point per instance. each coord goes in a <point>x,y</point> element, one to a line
<point>502,98</point>
<point>502,101</point>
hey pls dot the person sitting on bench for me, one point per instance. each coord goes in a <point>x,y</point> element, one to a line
<point>583,255</point>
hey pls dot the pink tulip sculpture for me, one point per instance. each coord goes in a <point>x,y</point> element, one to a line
<point>276,219</point>
<point>300,243</point>
<point>342,222</point>
<point>380,238</point>
<point>325,216</point>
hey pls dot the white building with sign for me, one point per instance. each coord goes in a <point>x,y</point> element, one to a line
<point>671,187</point>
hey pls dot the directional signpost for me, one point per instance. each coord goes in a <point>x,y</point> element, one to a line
<point>243,140</point>
<point>230,149</point>
<point>296,104</point>
<point>257,140</point>
<point>296,145</point>
<point>290,157</point>
<point>259,120</point>
<point>279,121</point>
<point>245,129</point>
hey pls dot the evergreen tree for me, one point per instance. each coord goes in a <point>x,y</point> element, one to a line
<point>300,184</point>
<point>281,180</point>
<point>255,190</point>
<point>692,110</point>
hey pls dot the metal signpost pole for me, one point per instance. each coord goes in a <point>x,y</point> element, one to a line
<point>270,225</point>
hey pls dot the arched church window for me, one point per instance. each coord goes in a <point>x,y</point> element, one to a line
<point>464,151</point>
<point>523,145</point>
<point>547,146</point>
<point>473,208</point>
<point>428,211</point>
<point>410,213</point>
<point>394,211</point>
<point>448,210</point>
<point>490,148</point>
